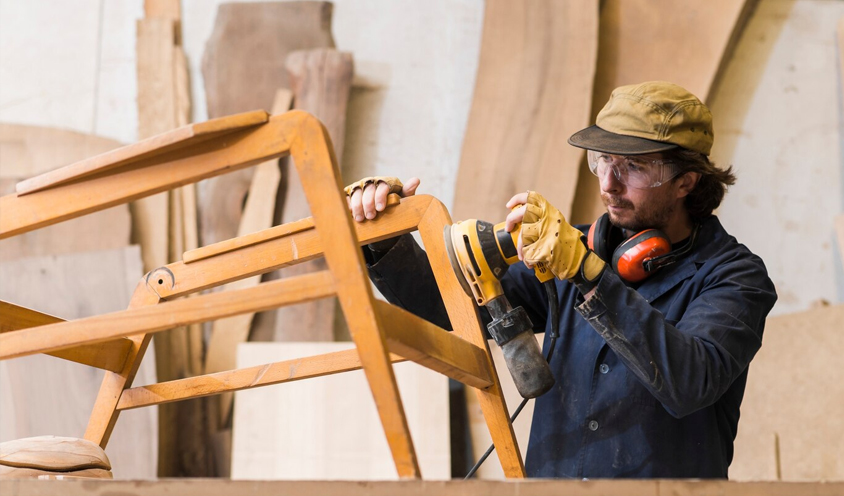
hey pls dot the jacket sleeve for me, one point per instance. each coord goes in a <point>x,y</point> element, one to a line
<point>405,278</point>
<point>688,364</point>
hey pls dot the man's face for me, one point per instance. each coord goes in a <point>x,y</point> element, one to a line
<point>637,209</point>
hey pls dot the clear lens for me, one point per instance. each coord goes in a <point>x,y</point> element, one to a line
<point>636,171</point>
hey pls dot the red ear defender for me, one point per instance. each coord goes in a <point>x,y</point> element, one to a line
<point>629,258</point>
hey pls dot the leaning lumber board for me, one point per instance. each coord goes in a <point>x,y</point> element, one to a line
<point>327,428</point>
<point>839,230</point>
<point>790,427</point>
<point>321,80</point>
<point>27,151</point>
<point>637,37</point>
<point>40,395</point>
<point>533,90</point>
<point>242,67</point>
<point>258,214</point>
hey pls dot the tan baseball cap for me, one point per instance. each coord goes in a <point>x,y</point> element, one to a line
<point>649,117</point>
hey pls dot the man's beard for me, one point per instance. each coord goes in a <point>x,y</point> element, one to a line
<point>653,214</point>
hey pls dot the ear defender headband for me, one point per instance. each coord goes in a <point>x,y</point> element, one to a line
<point>636,258</point>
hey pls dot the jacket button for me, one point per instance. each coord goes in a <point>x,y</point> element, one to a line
<point>604,368</point>
<point>593,425</point>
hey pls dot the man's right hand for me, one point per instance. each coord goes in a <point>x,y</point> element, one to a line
<point>368,196</point>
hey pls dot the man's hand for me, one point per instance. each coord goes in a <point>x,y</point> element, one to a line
<point>545,235</point>
<point>368,196</point>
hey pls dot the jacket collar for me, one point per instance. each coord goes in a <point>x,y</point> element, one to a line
<point>709,238</point>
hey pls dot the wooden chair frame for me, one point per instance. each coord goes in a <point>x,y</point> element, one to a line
<point>382,333</point>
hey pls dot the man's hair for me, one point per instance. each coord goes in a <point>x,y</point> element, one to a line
<point>710,188</point>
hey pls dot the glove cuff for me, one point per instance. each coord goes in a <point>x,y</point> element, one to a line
<point>589,274</point>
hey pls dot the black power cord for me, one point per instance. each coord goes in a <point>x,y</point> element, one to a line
<point>554,311</point>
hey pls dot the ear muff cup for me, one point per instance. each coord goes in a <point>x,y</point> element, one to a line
<point>603,237</point>
<point>629,258</point>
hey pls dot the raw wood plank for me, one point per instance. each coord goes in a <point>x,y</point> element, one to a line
<point>533,90</point>
<point>321,80</point>
<point>542,487</point>
<point>53,453</point>
<point>839,230</point>
<point>27,151</point>
<point>328,428</point>
<point>637,37</point>
<point>242,67</point>
<point>790,422</point>
<point>41,395</point>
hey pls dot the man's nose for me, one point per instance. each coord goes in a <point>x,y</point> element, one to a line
<point>609,182</point>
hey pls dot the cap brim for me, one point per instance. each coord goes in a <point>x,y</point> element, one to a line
<point>595,138</point>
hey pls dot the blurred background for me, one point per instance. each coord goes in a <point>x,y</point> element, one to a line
<point>475,98</point>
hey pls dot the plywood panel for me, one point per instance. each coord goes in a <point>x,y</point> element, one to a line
<point>685,42</point>
<point>243,66</point>
<point>533,90</point>
<point>327,428</point>
<point>42,395</point>
<point>791,424</point>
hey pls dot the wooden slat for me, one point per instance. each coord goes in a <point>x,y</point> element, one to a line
<point>245,241</point>
<point>275,248</point>
<point>109,355</point>
<point>164,316</point>
<point>237,380</point>
<point>188,163</point>
<point>839,230</point>
<point>432,346</point>
<point>162,143</point>
<point>464,320</point>
<point>533,90</point>
<point>636,39</point>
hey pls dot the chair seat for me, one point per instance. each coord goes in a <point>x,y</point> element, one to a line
<point>46,455</point>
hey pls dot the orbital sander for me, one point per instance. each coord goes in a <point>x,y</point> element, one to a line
<point>480,254</point>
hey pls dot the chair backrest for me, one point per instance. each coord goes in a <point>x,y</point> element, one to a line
<point>179,157</point>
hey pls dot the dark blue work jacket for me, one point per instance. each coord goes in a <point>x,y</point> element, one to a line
<point>648,380</point>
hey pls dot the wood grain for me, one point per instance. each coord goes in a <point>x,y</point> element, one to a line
<point>321,80</point>
<point>55,453</point>
<point>242,67</point>
<point>636,39</point>
<point>533,90</point>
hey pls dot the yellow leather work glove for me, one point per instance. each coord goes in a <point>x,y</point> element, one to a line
<point>548,238</point>
<point>393,182</point>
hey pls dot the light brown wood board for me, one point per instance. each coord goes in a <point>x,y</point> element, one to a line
<point>27,151</point>
<point>533,90</point>
<point>321,80</point>
<point>327,428</point>
<point>242,67</point>
<point>42,395</point>
<point>541,487</point>
<point>791,426</point>
<point>685,42</point>
<point>258,214</point>
<point>162,108</point>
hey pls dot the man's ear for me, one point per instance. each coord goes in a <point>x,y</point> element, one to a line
<point>686,183</point>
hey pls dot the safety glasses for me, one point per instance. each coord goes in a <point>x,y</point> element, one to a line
<point>635,171</point>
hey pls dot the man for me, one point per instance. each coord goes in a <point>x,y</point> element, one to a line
<point>651,364</point>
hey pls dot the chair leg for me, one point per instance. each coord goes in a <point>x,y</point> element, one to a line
<point>105,413</point>
<point>465,322</point>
